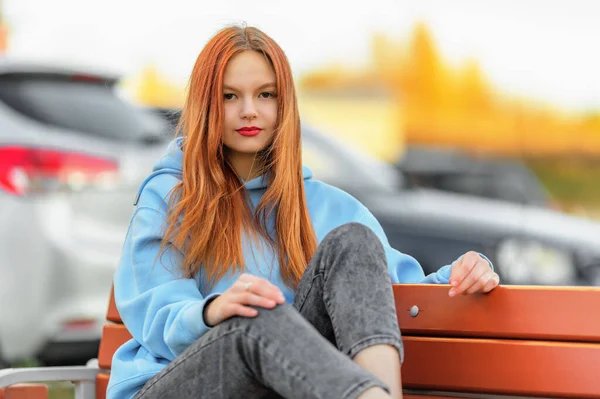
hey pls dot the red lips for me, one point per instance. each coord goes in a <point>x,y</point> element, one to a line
<point>249,131</point>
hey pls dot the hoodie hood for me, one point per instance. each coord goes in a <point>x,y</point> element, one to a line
<point>172,163</point>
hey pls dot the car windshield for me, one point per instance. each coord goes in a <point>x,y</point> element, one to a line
<point>80,106</point>
<point>353,165</point>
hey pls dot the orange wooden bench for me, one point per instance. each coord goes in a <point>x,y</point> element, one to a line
<point>24,391</point>
<point>515,341</point>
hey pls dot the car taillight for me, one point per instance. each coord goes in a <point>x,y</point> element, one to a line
<point>30,171</point>
<point>86,78</point>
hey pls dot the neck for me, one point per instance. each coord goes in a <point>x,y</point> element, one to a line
<point>247,166</point>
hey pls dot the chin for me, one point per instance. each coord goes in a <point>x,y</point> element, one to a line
<point>247,150</point>
<point>249,147</point>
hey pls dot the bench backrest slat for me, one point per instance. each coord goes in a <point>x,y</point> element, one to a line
<point>113,314</point>
<point>517,312</point>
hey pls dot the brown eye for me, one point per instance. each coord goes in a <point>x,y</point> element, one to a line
<point>229,96</point>
<point>267,94</point>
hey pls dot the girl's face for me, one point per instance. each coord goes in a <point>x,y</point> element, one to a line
<point>250,105</point>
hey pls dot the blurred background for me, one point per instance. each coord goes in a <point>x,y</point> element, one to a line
<point>463,125</point>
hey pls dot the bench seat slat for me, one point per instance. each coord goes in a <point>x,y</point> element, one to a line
<point>509,367</point>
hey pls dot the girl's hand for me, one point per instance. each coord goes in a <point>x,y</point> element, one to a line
<point>472,274</point>
<point>247,290</point>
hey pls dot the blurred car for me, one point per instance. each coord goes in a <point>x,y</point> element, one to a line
<point>459,172</point>
<point>528,244</point>
<point>72,155</point>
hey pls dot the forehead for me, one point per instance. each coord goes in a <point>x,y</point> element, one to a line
<point>247,69</point>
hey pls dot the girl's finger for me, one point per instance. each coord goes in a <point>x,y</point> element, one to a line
<point>236,309</point>
<point>259,286</point>
<point>480,283</point>
<point>462,268</point>
<point>243,286</point>
<point>471,279</point>
<point>493,282</point>
<point>249,298</point>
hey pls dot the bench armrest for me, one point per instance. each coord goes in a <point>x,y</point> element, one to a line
<point>34,374</point>
<point>83,377</point>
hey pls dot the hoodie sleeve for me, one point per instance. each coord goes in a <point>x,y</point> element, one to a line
<point>404,268</point>
<point>162,310</point>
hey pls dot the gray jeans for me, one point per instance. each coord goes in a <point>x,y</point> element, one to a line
<point>343,304</point>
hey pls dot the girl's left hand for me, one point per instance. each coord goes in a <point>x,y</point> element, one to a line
<point>472,274</point>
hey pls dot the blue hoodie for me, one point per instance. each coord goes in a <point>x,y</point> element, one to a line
<point>163,311</point>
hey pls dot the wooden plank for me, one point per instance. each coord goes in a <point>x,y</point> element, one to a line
<point>547,313</point>
<point>508,367</point>
<point>101,385</point>
<point>113,314</point>
<point>428,394</point>
<point>113,336</point>
<point>413,396</point>
<point>26,391</point>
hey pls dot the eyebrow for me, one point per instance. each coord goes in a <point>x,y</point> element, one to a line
<point>269,84</point>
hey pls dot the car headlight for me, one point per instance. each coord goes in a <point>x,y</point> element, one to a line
<point>532,262</point>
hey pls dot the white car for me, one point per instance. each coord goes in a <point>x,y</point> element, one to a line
<point>73,153</point>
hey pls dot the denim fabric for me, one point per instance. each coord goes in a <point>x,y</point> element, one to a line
<point>343,304</point>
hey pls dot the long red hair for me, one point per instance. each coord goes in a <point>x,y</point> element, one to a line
<point>209,208</point>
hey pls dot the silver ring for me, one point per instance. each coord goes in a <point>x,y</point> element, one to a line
<point>247,286</point>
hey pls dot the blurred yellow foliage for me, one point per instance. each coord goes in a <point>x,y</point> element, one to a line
<point>449,106</point>
<point>375,124</point>
<point>152,89</point>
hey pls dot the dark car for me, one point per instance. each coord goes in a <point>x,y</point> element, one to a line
<point>460,172</point>
<point>528,244</point>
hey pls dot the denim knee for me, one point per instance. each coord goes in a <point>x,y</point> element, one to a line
<point>352,234</point>
<point>355,240</point>
<point>266,319</point>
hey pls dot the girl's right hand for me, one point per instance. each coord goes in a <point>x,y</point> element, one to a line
<point>247,290</point>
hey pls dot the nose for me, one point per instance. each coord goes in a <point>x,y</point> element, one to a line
<point>249,110</point>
